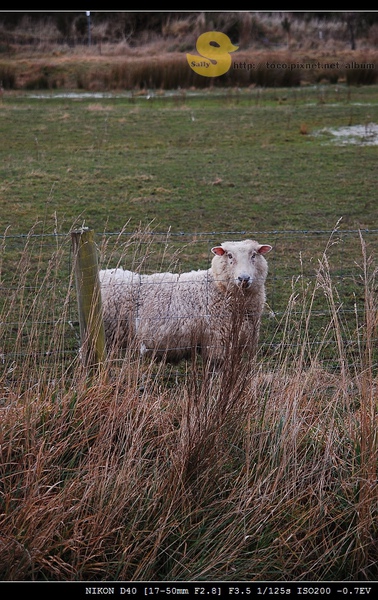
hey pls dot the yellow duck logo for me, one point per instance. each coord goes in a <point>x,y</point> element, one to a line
<point>214,48</point>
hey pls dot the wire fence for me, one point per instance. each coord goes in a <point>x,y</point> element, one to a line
<point>315,279</point>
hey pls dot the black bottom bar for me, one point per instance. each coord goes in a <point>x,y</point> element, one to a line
<point>192,589</point>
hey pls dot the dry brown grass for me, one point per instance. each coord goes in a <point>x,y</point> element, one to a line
<point>167,71</point>
<point>264,471</point>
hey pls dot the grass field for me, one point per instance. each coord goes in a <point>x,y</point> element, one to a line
<point>230,161</point>
<point>266,472</point>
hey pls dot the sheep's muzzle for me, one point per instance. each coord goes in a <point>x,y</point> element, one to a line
<point>244,281</point>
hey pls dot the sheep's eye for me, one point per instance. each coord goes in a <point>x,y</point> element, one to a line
<point>229,255</point>
<point>253,255</point>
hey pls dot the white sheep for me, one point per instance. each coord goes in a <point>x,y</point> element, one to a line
<point>169,314</point>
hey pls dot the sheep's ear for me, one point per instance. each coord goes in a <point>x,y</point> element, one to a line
<point>218,250</point>
<point>264,249</point>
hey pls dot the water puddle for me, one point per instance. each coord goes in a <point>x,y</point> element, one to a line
<point>361,135</point>
<point>75,95</point>
<point>147,94</point>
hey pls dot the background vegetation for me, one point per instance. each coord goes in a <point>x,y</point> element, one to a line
<point>265,471</point>
<point>137,29</point>
<point>132,50</point>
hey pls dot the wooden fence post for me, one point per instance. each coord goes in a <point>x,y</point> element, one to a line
<point>92,330</point>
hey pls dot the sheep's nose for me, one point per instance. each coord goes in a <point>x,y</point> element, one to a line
<point>244,280</point>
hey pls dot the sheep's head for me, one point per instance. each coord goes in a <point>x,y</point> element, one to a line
<point>240,264</point>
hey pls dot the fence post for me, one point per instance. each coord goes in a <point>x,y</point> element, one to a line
<point>92,330</point>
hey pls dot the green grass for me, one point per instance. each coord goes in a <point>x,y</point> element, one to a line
<point>147,472</point>
<point>234,162</point>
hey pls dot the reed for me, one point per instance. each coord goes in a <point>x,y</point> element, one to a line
<point>170,70</point>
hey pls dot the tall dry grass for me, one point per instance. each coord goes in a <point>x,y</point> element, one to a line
<point>170,70</point>
<point>264,471</point>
